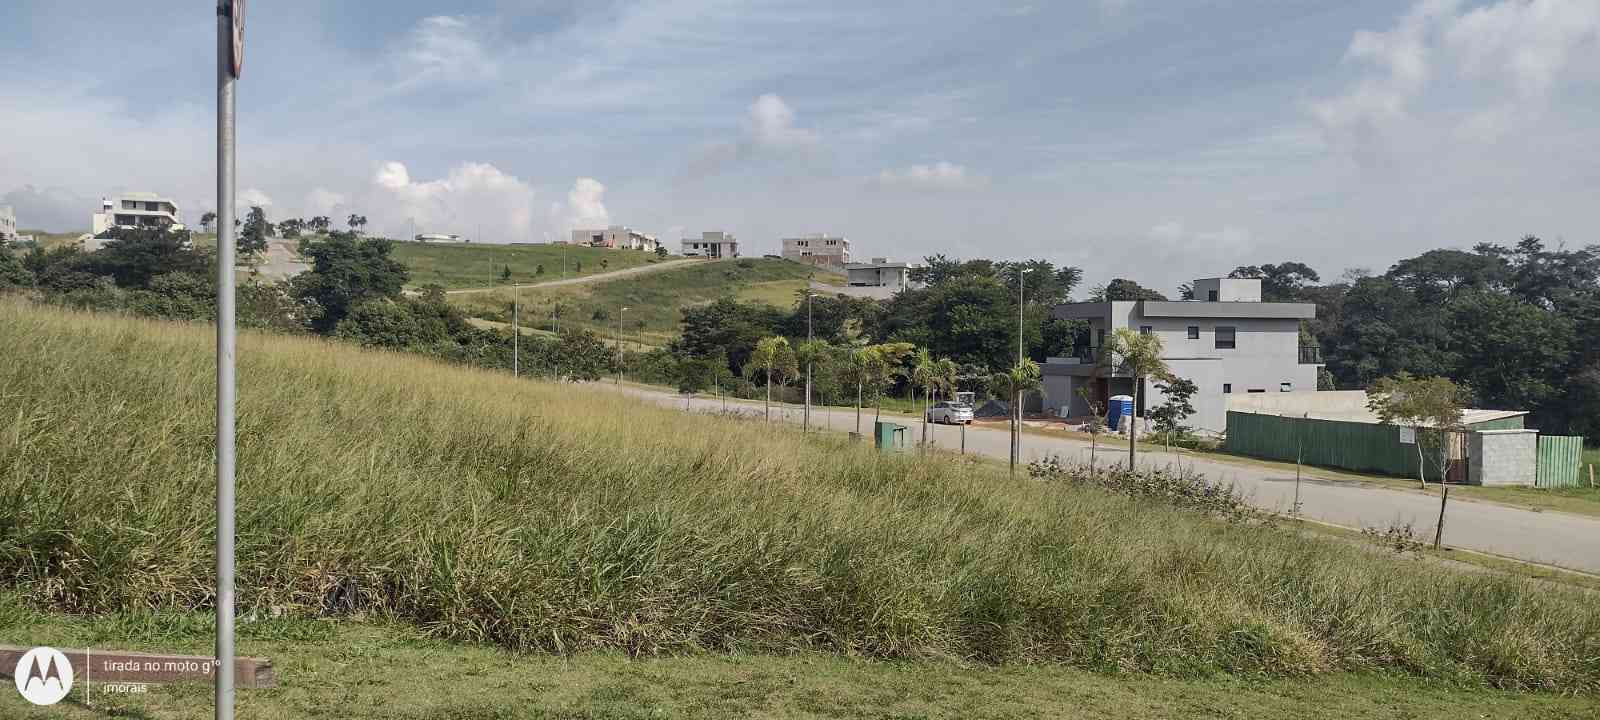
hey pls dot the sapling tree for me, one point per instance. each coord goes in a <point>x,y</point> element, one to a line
<point>1430,406</point>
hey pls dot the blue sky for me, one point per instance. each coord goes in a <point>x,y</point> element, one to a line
<point>1155,140</point>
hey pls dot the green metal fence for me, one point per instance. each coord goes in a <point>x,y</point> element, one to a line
<point>1364,447</point>
<point>1558,461</point>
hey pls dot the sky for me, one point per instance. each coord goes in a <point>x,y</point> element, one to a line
<point>1158,140</point>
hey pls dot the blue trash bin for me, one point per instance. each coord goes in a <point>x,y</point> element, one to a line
<point>1120,406</point>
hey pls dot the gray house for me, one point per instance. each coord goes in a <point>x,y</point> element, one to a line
<point>1226,342</point>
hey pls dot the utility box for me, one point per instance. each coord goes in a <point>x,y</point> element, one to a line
<point>885,435</point>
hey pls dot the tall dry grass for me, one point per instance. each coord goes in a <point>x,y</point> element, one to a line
<point>557,518</point>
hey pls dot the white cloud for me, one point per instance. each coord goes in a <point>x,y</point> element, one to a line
<point>585,207</point>
<point>771,125</point>
<point>322,201</point>
<point>474,199</point>
<point>769,130</point>
<point>447,48</point>
<point>1227,241</point>
<point>941,175</point>
<point>1510,54</point>
<point>252,197</point>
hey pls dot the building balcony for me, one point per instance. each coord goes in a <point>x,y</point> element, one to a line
<point>1311,355</point>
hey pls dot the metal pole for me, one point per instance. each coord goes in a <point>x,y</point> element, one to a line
<point>806,426</point>
<point>1299,458</point>
<point>1020,271</point>
<point>516,330</point>
<point>225,359</point>
<point>619,344</point>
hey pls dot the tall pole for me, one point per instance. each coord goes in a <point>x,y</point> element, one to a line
<point>1016,435</point>
<point>619,343</point>
<point>806,424</point>
<point>516,330</point>
<point>226,68</point>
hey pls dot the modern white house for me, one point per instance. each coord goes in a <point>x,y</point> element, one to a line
<point>711,244</point>
<point>615,237</point>
<point>8,224</point>
<point>136,210</point>
<point>1228,343</point>
<point>819,249</point>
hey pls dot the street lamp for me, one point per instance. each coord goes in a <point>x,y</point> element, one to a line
<point>806,424</point>
<point>619,343</point>
<point>1020,272</point>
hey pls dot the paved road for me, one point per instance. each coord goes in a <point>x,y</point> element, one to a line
<point>1553,538</point>
<point>597,277</point>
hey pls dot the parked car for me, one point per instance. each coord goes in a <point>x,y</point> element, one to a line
<point>950,413</point>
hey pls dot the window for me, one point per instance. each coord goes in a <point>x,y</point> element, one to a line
<point>1225,338</point>
<point>1256,390</point>
<point>130,205</point>
<point>1227,388</point>
<point>1100,337</point>
<point>152,206</point>
<point>1211,295</point>
<point>1286,387</point>
<point>1145,329</point>
<point>1194,332</point>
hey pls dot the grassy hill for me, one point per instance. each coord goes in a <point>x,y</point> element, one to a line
<point>656,299</point>
<point>482,265</point>
<point>546,518</point>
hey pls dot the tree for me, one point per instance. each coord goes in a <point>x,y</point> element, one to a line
<point>1177,407</point>
<point>809,354</point>
<point>132,257</point>
<point>291,228</point>
<point>13,274</point>
<point>773,356</point>
<point>253,239</point>
<point>1139,356</point>
<point>539,269</point>
<point>923,376</point>
<point>346,270</point>
<point>604,263</point>
<point>356,222</point>
<point>1013,384</point>
<point>884,367</point>
<point>1431,406</point>
<point>727,325</point>
<point>1121,289</point>
<point>207,220</point>
<point>505,275</point>
<point>1283,282</point>
<point>320,224</point>
<point>661,251</point>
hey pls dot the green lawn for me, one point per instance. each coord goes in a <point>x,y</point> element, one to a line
<point>372,669</point>
<point>483,265</point>
<point>654,300</point>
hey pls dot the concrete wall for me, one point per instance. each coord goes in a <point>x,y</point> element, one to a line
<point>1504,457</point>
<point>1210,406</point>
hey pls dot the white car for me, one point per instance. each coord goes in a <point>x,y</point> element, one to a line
<point>950,413</point>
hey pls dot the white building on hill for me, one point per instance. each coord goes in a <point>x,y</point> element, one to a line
<point>136,210</point>
<point>711,244</point>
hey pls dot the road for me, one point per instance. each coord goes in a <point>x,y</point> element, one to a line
<point>1553,538</point>
<point>597,277</point>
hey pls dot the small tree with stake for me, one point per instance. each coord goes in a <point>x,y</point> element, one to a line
<point>1013,384</point>
<point>1432,407</point>
<point>1179,405</point>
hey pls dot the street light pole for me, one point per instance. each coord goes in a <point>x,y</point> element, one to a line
<point>230,28</point>
<point>619,343</point>
<point>806,424</point>
<point>1016,436</point>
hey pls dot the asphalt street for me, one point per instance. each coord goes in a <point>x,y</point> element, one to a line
<point>1554,538</point>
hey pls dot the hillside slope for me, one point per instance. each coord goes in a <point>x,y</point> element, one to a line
<point>655,302</point>
<point>483,264</point>
<point>542,517</point>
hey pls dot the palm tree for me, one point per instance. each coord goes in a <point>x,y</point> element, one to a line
<point>883,366</point>
<point>1013,383</point>
<point>1138,355</point>
<point>922,376</point>
<point>772,354</point>
<point>858,371</point>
